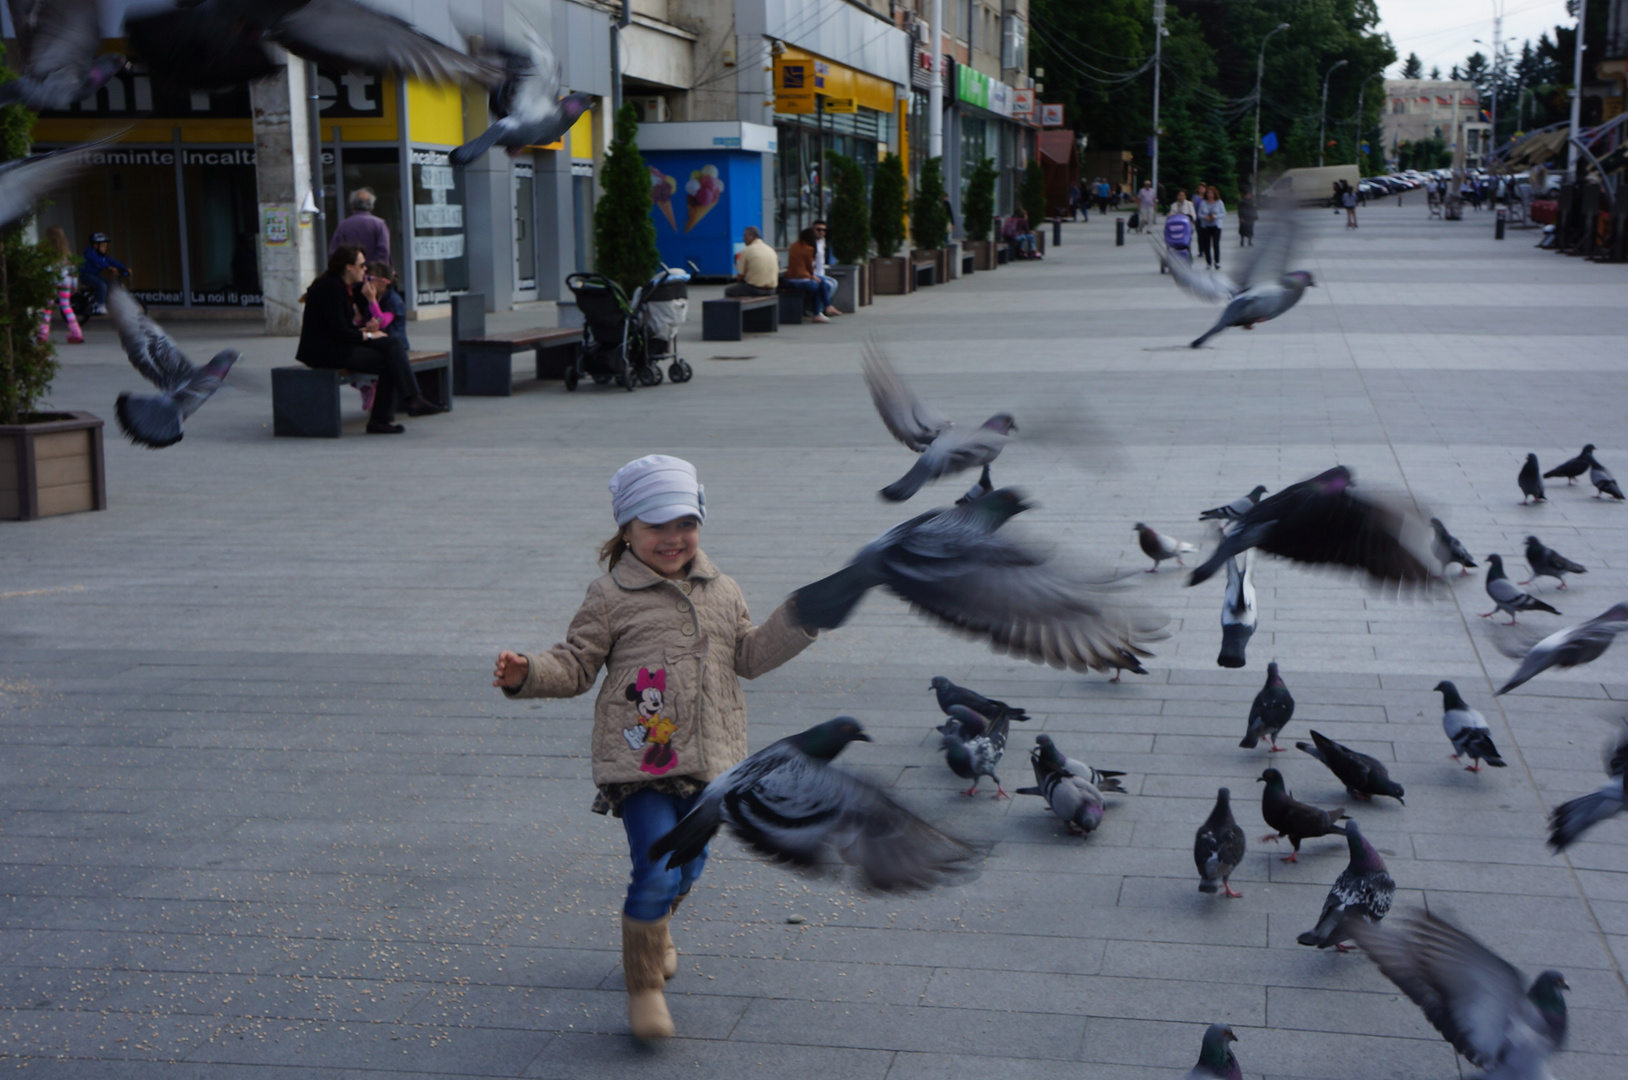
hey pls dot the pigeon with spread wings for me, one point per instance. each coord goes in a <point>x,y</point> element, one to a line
<point>155,419</point>
<point>944,448</point>
<point>528,106</point>
<point>1264,288</point>
<point>58,40</point>
<point>1566,648</point>
<point>25,181</point>
<point>1573,818</point>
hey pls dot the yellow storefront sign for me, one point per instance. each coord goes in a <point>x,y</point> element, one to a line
<point>841,105</point>
<point>800,77</point>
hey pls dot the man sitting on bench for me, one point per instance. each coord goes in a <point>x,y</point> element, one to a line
<point>760,268</point>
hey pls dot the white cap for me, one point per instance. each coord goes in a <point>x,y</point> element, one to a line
<point>657,489</point>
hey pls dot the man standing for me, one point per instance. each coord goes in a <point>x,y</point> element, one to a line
<point>1144,205</point>
<point>362,229</point>
<point>760,267</point>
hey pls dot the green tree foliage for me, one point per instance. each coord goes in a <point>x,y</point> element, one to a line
<point>978,207</point>
<point>929,221</point>
<point>27,284</point>
<point>887,206</point>
<point>1032,194</point>
<point>1413,68</point>
<point>1421,154</point>
<point>624,233</point>
<point>850,224</point>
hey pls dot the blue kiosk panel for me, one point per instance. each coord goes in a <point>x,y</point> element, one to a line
<point>703,199</point>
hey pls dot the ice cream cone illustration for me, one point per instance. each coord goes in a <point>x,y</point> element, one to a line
<point>662,190</point>
<point>701,194</point>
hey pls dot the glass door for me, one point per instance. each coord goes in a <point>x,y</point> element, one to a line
<point>525,231</point>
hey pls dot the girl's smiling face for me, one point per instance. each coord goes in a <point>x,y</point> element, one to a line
<point>667,549</point>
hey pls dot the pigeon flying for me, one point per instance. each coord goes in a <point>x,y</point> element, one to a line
<point>527,104</point>
<point>1507,596</point>
<point>1573,467</point>
<point>1264,287</point>
<point>944,448</point>
<point>1547,562</point>
<point>973,747</point>
<point>58,40</point>
<point>155,419</point>
<point>25,181</point>
<point>1571,819</point>
<point>1272,709</point>
<point>952,565</point>
<point>1218,847</point>
<point>1216,1060</point>
<point>1572,646</point>
<point>1238,614</point>
<point>1051,759</point>
<point>788,803</point>
<point>1159,548</point>
<point>1447,549</point>
<point>1076,801</point>
<point>1466,730</point>
<point>1474,997</point>
<point>1363,776</point>
<point>1604,483</point>
<point>1290,817</point>
<point>950,694</point>
<point>1236,509</point>
<point>1362,892</point>
<point>1531,481</point>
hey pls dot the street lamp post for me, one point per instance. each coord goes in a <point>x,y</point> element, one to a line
<point>1260,69</point>
<point>1576,96</point>
<point>1158,58</point>
<point>1322,116</point>
<point>1360,89</point>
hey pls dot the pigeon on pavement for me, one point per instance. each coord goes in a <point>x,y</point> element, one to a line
<point>1323,521</point>
<point>1216,1060</point>
<point>1051,759</point>
<point>1126,661</point>
<point>973,747</point>
<point>1571,819</point>
<point>1362,892</point>
<point>527,104</point>
<point>1604,483</point>
<point>1363,776</point>
<point>952,565</point>
<point>1531,481</point>
<point>1075,800</point>
<point>154,420</point>
<point>1572,646</point>
<point>58,40</point>
<point>787,802</point>
<point>1572,468</point>
<point>1290,817</point>
<point>1238,614</point>
<point>1159,547</point>
<point>1447,549</point>
<point>1218,847</point>
<point>1547,562</point>
<point>1272,708</point>
<point>1235,509</point>
<point>1507,597</point>
<point>944,448</point>
<point>1474,997</point>
<point>1466,730</point>
<point>950,694</point>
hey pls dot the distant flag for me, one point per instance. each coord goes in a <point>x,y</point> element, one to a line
<point>1269,142</point>
<point>1364,147</point>
<point>1485,116</point>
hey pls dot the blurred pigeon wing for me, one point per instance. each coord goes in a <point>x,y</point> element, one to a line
<point>151,351</point>
<point>1268,260</point>
<point>25,182</point>
<point>58,40</point>
<point>540,91</point>
<point>904,415</point>
<point>345,34</point>
<point>1390,543</point>
<point>1205,285</point>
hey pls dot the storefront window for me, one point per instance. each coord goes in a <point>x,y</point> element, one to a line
<point>972,147</point>
<point>222,213</point>
<point>801,192</point>
<point>131,197</point>
<point>440,264</point>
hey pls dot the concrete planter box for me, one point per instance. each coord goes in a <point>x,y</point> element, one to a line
<point>850,287</point>
<point>52,466</point>
<point>893,275</point>
<point>983,254</point>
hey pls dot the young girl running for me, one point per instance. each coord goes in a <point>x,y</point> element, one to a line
<point>62,260</point>
<point>675,639</point>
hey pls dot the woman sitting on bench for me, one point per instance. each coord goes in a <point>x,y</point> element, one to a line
<point>801,273</point>
<point>330,338</point>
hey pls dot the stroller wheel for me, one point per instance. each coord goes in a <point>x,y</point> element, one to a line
<point>680,371</point>
<point>571,377</point>
<point>651,375</point>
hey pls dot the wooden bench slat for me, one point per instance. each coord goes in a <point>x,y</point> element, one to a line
<point>524,338</point>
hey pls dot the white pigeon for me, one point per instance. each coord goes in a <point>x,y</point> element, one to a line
<point>1238,614</point>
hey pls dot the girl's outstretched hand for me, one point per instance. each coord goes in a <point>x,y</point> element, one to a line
<point>511,670</point>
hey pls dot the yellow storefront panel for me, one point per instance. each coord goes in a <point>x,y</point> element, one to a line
<point>435,113</point>
<point>799,76</point>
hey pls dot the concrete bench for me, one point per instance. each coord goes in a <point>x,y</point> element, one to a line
<point>924,270</point>
<point>731,317</point>
<point>482,362</point>
<point>305,401</point>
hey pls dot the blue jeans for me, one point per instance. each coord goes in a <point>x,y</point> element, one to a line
<point>824,286</point>
<point>97,284</point>
<point>648,815</point>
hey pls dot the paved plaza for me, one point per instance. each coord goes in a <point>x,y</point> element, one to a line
<point>262,814</point>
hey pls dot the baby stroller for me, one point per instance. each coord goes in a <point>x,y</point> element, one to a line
<point>1178,237</point>
<point>665,306</point>
<point>615,343</point>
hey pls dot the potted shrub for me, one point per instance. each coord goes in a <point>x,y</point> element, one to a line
<point>624,232</point>
<point>930,217</point>
<point>892,272</point>
<point>1032,195</point>
<point>849,233</point>
<point>978,214</point>
<point>50,462</point>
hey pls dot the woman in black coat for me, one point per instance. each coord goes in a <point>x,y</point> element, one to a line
<point>331,338</point>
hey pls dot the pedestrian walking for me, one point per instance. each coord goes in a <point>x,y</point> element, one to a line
<point>674,637</point>
<point>1183,205</point>
<point>1348,199</point>
<point>62,265</point>
<point>363,229</point>
<point>1212,216</point>
<point>1248,214</point>
<point>1102,194</point>
<point>1146,205</point>
<point>1074,202</point>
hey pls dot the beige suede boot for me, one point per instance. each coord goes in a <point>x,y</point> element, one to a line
<point>669,962</point>
<point>643,947</point>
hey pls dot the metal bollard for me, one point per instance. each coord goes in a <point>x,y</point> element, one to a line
<point>1498,229</point>
<point>1057,232</point>
<point>1119,232</point>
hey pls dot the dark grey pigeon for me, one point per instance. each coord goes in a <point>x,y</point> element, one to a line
<point>1075,800</point>
<point>1572,468</point>
<point>528,106</point>
<point>1238,614</point>
<point>154,420</point>
<point>978,490</point>
<point>1290,817</point>
<point>952,565</point>
<point>1508,597</point>
<point>1571,819</point>
<point>944,448</point>
<point>1236,509</point>
<point>25,181</point>
<point>1218,847</point>
<point>1362,893</point>
<point>1048,758</point>
<point>1531,481</point>
<point>1363,776</point>
<point>1474,997</point>
<point>1466,729</point>
<point>973,747</point>
<point>1265,286</point>
<point>949,694</point>
<point>58,40</point>
<point>1447,549</point>
<point>1547,562</point>
<point>786,802</point>
<point>1572,646</point>
<point>1127,661</point>
<point>1323,521</point>
<point>1159,547</point>
<point>1272,708</point>
<point>1216,1060</point>
<point>1604,483</point>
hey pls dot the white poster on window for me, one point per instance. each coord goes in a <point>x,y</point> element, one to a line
<point>438,248</point>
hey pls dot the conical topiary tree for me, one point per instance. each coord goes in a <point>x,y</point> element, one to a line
<point>27,284</point>
<point>1032,195</point>
<point>887,206</point>
<point>929,222</point>
<point>978,207</point>
<point>850,226</point>
<point>624,232</point>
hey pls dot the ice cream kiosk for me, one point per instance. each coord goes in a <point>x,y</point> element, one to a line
<point>706,186</point>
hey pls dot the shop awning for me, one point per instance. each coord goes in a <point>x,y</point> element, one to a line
<point>1057,146</point>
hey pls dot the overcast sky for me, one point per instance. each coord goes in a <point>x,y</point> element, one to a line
<point>1443,32</point>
